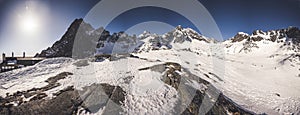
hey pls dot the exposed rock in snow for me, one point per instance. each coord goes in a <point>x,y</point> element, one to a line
<point>66,101</point>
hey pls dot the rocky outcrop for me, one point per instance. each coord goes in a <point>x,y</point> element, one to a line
<point>240,37</point>
<point>193,101</point>
<point>64,102</point>
<point>294,34</point>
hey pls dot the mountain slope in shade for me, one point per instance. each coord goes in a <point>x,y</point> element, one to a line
<point>79,31</point>
<point>178,72</point>
<point>63,47</point>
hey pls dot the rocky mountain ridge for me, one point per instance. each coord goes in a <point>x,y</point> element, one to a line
<point>103,42</point>
<point>289,38</point>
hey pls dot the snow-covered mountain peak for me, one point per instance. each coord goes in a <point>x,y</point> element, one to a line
<point>179,38</point>
<point>271,35</point>
<point>242,33</point>
<point>240,36</point>
<point>285,40</point>
<point>190,33</point>
<point>144,34</point>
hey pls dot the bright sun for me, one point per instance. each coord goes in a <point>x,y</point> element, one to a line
<point>29,24</point>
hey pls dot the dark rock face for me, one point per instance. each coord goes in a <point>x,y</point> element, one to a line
<point>104,36</point>
<point>63,47</point>
<point>80,41</point>
<point>65,102</point>
<point>171,77</point>
<point>240,37</point>
<point>222,106</point>
<point>294,34</point>
<point>97,96</point>
<point>258,38</point>
<point>273,38</point>
<point>81,34</point>
<point>61,104</point>
<point>201,103</point>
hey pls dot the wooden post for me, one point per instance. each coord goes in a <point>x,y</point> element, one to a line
<point>3,57</point>
<point>23,54</point>
<point>12,54</point>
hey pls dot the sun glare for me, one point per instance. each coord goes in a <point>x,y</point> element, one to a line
<point>29,24</point>
<point>28,21</point>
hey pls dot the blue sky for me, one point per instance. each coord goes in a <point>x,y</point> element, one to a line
<point>55,16</point>
<point>233,16</point>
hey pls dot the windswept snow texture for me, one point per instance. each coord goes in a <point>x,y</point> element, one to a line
<point>165,73</point>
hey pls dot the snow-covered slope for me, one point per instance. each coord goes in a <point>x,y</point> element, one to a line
<point>180,72</point>
<point>258,82</point>
<point>125,86</point>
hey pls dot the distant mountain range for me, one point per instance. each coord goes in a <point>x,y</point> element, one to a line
<point>105,42</point>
